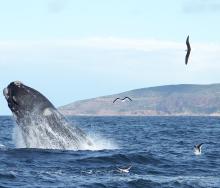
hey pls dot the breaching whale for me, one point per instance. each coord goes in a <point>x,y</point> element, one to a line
<point>40,123</point>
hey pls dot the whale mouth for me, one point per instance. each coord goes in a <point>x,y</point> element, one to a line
<point>5,93</point>
<point>10,95</point>
<point>22,99</point>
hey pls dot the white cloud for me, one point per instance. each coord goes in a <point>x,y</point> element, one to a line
<point>107,43</point>
<point>103,54</point>
<point>57,6</point>
<point>198,6</point>
<point>98,51</point>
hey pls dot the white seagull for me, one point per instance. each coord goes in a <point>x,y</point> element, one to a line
<point>198,149</point>
<point>125,170</point>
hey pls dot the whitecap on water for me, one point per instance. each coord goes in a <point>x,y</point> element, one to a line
<point>2,146</point>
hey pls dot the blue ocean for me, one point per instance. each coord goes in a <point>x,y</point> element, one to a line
<point>158,149</point>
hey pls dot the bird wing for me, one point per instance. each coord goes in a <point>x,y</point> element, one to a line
<point>127,98</point>
<point>188,50</point>
<point>200,145</point>
<point>116,99</point>
<point>187,57</point>
<point>124,169</point>
<point>188,44</point>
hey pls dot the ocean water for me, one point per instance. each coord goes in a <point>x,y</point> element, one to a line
<point>160,150</point>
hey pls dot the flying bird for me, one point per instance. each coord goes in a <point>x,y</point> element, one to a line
<point>124,170</point>
<point>198,149</point>
<point>122,99</point>
<point>188,50</point>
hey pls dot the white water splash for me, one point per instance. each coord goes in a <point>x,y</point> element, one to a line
<point>18,138</point>
<point>100,143</point>
<point>42,136</point>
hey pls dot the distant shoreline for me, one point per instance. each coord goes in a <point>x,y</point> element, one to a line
<point>141,115</point>
<point>131,115</point>
<point>168,100</point>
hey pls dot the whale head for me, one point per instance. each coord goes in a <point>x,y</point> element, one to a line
<point>22,99</point>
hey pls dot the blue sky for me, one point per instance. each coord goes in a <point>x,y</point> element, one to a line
<point>71,50</point>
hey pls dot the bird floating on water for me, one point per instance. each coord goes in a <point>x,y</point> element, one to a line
<point>122,99</point>
<point>198,149</point>
<point>124,170</point>
<point>188,50</point>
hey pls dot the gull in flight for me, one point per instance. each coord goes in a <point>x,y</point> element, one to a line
<point>188,50</point>
<point>122,99</point>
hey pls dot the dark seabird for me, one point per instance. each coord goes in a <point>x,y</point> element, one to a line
<point>188,50</point>
<point>122,99</point>
<point>198,149</point>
